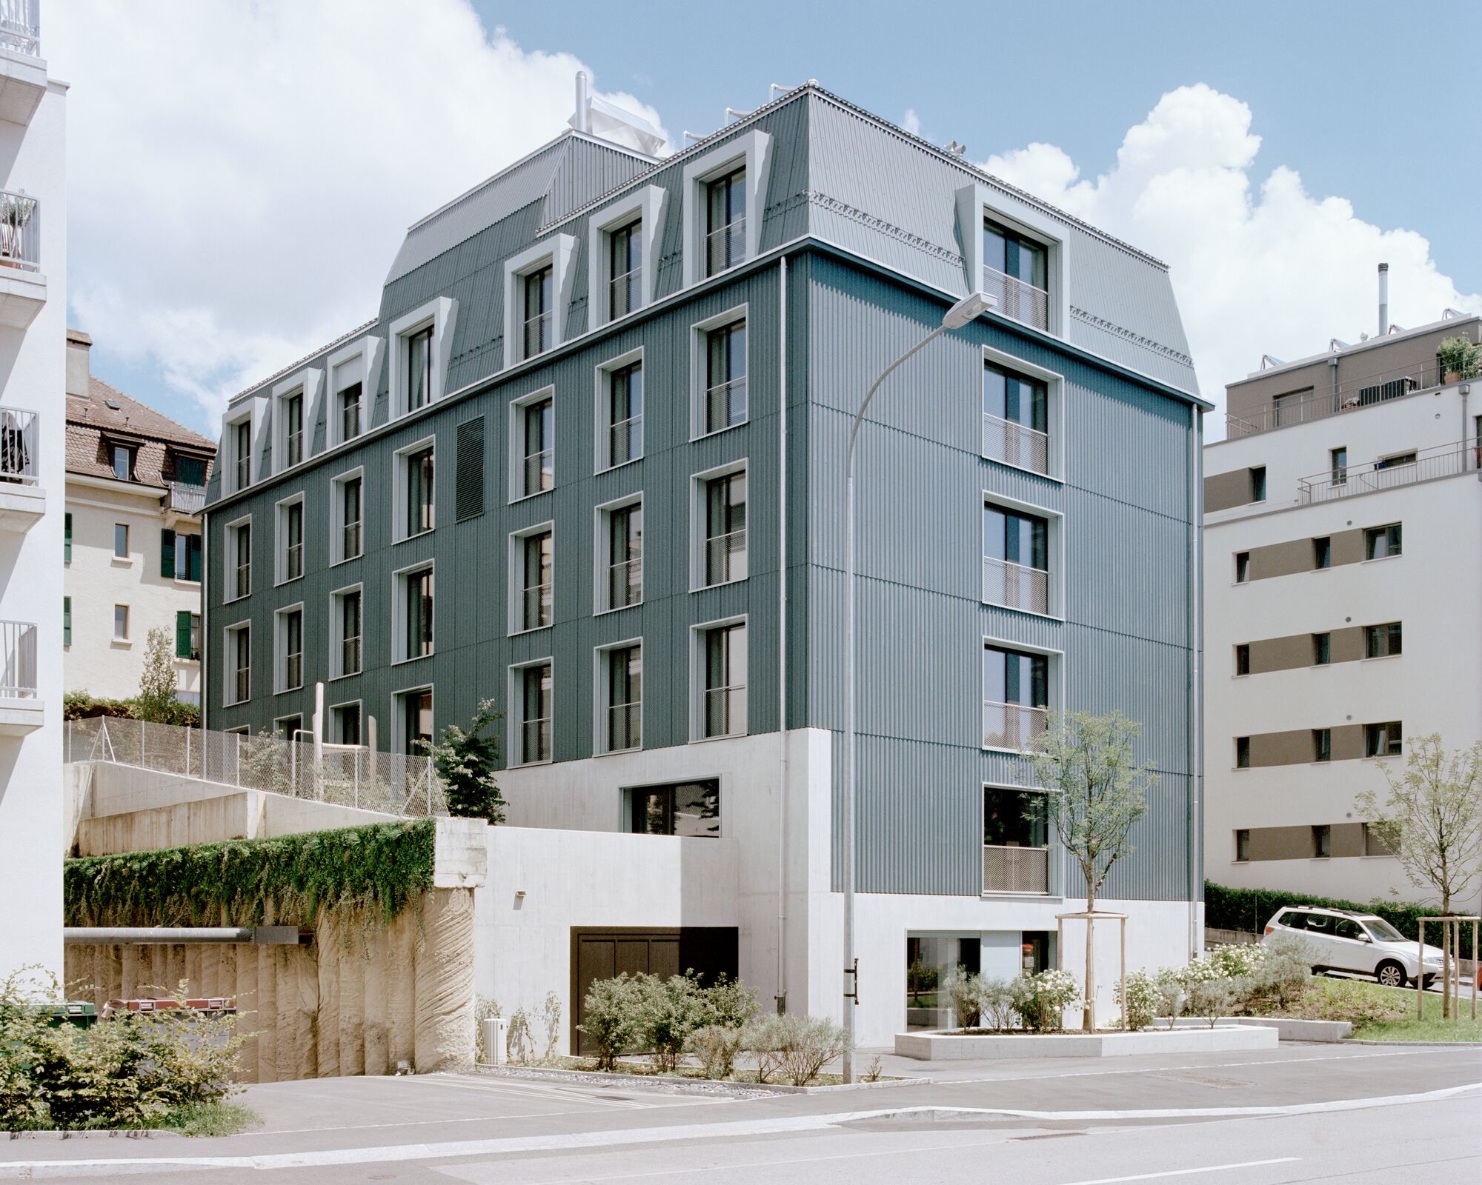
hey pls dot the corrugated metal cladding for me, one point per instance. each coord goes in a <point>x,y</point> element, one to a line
<point>839,183</point>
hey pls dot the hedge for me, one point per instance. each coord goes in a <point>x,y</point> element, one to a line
<point>1250,909</point>
<point>376,870</point>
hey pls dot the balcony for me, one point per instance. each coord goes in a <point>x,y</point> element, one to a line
<point>21,709</point>
<point>22,500</point>
<point>1012,726</point>
<point>1016,870</point>
<point>1015,586</point>
<point>22,287</point>
<point>185,499</point>
<point>1015,444</point>
<point>1016,299</point>
<point>22,72</point>
<point>1446,460</point>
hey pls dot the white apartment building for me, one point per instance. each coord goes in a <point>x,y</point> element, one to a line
<point>1342,567</point>
<point>33,304</point>
<point>136,485</point>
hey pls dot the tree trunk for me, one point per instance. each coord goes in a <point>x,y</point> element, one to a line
<point>1088,1013</point>
<point>1446,945</point>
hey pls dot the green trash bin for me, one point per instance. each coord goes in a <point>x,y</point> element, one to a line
<point>78,1013</point>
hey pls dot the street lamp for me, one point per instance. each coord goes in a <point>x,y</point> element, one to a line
<point>965,311</point>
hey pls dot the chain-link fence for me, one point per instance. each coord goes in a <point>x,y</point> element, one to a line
<point>347,775</point>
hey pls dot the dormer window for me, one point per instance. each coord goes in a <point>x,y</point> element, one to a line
<point>242,452</point>
<point>349,411</point>
<point>122,458</point>
<point>293,429</point>
<point>419,369</point>
<point>416,362</point>
<point>625,270</point>
<point>1015,271</point>
<point>725,222</point>
<point>190,471</point>
<point>538,313</point>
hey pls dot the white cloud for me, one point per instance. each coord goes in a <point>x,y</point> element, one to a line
<point>911,121</point>
<point>1258,266</point>
<point>241,174</point>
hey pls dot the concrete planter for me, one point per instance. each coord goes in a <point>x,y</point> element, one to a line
<point>1289,1029</point>
<point>1224,1037</point>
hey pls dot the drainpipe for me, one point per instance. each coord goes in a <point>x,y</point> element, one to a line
<point>782,768</point>
<point>1193,831</point>
<point>1383,299</point>
<point>205,630</point>
<point>583,120</point>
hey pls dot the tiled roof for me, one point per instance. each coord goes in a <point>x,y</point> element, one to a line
<point>106,414</point>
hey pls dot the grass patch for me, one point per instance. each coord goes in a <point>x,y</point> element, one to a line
<point>211,1119</point>
<point>646,1069</point>
<point>1407,1027</point>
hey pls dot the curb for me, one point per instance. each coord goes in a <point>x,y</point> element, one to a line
<point>702,1086</point>
<point>54,1135</point>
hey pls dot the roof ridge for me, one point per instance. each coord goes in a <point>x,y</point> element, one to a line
<point>306,359</point>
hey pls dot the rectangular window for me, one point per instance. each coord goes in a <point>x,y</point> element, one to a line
<point>1242,752</point>
<point>1258,483</point>
<point>1016,697</point>
<point>123,462</point>
<point>625,414</point>
<point>188,635</point>
<point>1015,271</point>
<point>1015,419</point>
<point>1381,641</point>
<point>417,610</point>
<point>537,596</point>
<point>349,411</point>
<point>1382,542</point>
<point>1322,842</point>
<point>1242,659</point>
<point>120,541</point>
<point>1016,559</point>
<point>536,703</point>
<point>624,698</point>
<point>724,708</point>
<point>190,471</point>
<point>290,649</point>
<point>293,429</point>
<point>1242,845</point>
<point>66,621</point>
<point>348,620</point>
<point>180,556</point>
<point>416,721</point>
<point>344,723</point>
<point>351,515</point>
<point>292,541</point>
<point>1322,744</point>
<point>1242,567</point>
<point>419,487</point>
<point>540,440</point>
<point>725,376</point>
<point>689,809</point>
<point>1322,553</point>
<point>67,539</point>
<point>725,222</point>
<point>1338,460</point>
<point>239,543</point>
<point>625,550</point>
<point>1015,841</point>
<point>239,664</point>
<point>419,368</point>
<point>1322,649</point>
<point>1383,740</point>
<point>625,270</point>
<point>725,529</point>
<point>539,311</point>
<point>1374,844</point>
<point>242,452</point>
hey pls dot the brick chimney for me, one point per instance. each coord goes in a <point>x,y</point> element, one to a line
<point>79,347</point>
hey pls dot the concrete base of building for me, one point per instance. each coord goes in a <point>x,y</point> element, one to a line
<point>1223,1038</point>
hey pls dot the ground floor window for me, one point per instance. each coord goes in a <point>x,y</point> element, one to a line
<point>685,809</point>
<point>931,958</point>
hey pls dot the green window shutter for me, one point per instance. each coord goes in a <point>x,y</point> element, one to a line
<point>67,618</point>
<point>182,633</point>
<point>67,541</point>
<point>167,553</point>
<point>193,557</point>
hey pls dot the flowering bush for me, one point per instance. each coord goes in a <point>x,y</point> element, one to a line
<point>1141,1005</point>
<point>1041,1000</point>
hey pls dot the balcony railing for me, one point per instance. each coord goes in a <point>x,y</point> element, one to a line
<point>624,727</point>
<point>20,26</point>
<point>725,710</point>
<point>538,333</point>
<point>725,246</point>
<point>1017,299</point>
<point>350,540</point>
<point>725,557</point>
<point>625,582</point>
<point>537,606</point>
<point>293,561</point>
<point>1015,870</point>
<point>350,656</point>
<point>625,440</point>
<point>540,472</point>
<point>18,654</point>
<point>1015,444</point>
<point>624,293</point>
<point>18,454</point>
<point>725,404</point>
<point>187,499</point>
<point>1011,726</point>
<point>293,671</point>
<point>1015,586</point>
<point>20,231</point>
<point>537,740</point>
<point>243,582</point>
<point>1445,460</point>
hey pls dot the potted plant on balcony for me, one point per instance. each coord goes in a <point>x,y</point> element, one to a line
<point>1460,359</point>
<point>16,211</point>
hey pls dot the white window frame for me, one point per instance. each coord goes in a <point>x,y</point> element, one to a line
<point>334,720</point>
<point>399,483</point>
<point>1054,849</point>
<point>336,647</point>
<point>125,638</point>
<point>602,379</point>
<point>699,363</point>
<point>254,413</point>
<point>399,716</point>
<point>646,204</point>
<point>515,740</point>
<point>280,538</point>
<point>602,554</point>
<point>977,203</point>
<point>1054,549</point>
<point>1054,677</point>
<point>399,640</point>
<point>442,315</point>
<point>697,678</point>
<point>309,385</point>
<point>752,151</point>
<point>280,641</point>
<point>360,362</point>
<point>516,442</point>
<point>515,598</point>
<point>601,656</point>
<point>228,667</point>
<point>558,252</point>
<point>337,513</point>
<point>698,483</point>
<point>230,535</point>
<point>1054,410</point>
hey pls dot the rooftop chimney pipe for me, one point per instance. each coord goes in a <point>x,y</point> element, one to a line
<point>583,105</point>
<point>1383,299</point>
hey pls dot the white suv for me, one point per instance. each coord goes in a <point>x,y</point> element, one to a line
<point>1341,940</point>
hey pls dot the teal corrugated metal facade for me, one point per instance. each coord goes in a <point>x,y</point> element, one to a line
<point>867,215</point>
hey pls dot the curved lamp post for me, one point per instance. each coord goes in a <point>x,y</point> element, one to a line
<point>965,311</point>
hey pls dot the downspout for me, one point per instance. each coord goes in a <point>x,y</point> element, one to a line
<point>782,769</point>
<point>205,631</point>
<point>1193,829</point>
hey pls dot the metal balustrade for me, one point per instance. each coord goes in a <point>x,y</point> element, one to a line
<point>625,440</point>
<point>19,455</point>
<point>725,404</point>
<point>537,739</point>
<point>1386,473</point>
<point>1015,586</point>
<point>1015,870</point>
<point>725,557</point>
<point>350,656</point>
<point>350,541</point>
<point>725,710</point>
<point>18,654</point>
<point>624,293</point>
<point>20,231</point>
<point>1015,444</point>
<point>20,26</point>
<point>1012,726</point>
<point>540,473</point>
<point>725,246</point>
<point>624,727</point>
<point>1017,299</point>
<point>539,331</point>
<point>537,606</point>
<point>187,499</point>
<point>625,583</point>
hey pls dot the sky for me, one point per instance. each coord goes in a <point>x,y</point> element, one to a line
<point>241,174</point>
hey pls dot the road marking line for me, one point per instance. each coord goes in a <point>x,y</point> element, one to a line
<point>1212,1168</point>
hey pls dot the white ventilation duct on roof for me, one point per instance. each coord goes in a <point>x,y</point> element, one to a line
<point>598,117</point>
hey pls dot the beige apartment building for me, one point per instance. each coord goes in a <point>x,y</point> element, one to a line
<point>1343,574</point>
<point>136,483</point>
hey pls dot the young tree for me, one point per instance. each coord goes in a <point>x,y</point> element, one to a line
<point>1097,793</point>
<point>465,760</point>
<point>156,702</point>
<point>1432,820</point>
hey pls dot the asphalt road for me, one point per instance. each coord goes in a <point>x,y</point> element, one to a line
<point>1299,1113</point>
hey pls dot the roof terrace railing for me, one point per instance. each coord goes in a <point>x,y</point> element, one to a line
<point>20,26</point>
<point>20,231</point>
<point>18,451</point>
<point>187,499</point>
<point>1446,460</point>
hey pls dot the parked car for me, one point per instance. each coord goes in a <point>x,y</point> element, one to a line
<point>1343,940</point>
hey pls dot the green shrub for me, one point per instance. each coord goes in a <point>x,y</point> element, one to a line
<point>1281,977</point>
<point>1460,356</point>
<point>1140,1008</point>
<point>728,1002</point>
<point>613,1018</point>
<point>716,1046</point>
<point>793,1047</point>
<point>669,1010</point>
<point>1041,1000</point>
<point>980,1002</point>
<point>1249,910</point>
